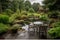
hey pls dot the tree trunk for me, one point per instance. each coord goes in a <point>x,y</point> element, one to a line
<point>0,8</point>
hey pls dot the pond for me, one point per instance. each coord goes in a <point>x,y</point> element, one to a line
<point>27,34</point>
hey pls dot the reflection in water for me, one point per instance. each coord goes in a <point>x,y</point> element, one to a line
<point>26,35</point>
<point>1,37</point>
<point>42,36</point>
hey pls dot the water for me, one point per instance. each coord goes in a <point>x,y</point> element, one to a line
<point>26,27</point>
<point>27,34</point>
<point>38,22</point>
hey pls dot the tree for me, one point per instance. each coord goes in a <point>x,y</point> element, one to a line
<point>54,14</point>
<point>27,5</point>
<point>21,5</point>
<point>0,7</point>
<point>52,4</point>
<point>54,7</point>
<point>31,10</point>
<point>4,4</point>
<point>14,5</point>
<point>36,6</point>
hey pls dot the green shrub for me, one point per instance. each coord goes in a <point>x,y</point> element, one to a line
<point>24,17</point>
<point>44,17</point>
<point>4,19</point>
<point>15,28</point>
<point>32,19</point>
<point>57,24</point>
<point>13,17</point>
<point>23,13</point>
<point>37,15</point>
<point>54,14</point>
<point>3,28</point>
<point>21,21</point>
<point>27,22</point>
<point>54,32</point>
<point>29,15</point>
<point>31,10</point>
<point>8,12</point>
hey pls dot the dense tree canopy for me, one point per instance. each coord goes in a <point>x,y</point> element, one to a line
<point>14,5</point>
<point>4,4</point>
<point>18,4</point>
<point>36,6</point>
<point>52,4</point>
<point>21,5</point>
<point>27,5</point>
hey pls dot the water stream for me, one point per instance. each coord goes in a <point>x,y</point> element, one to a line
<point>27,34</point>
<point>31,24</point>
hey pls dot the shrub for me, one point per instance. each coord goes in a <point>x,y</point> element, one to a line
<point>44,17</point>
<point>54,32</point>
<point>3,28</point>
<point>57,24</point>
<point>19,22</point>
<point>30,15</point>
<point>23,13</point>
<point>54,14</point>
<point>27,22</point>
<point>24,17</point>
<point>31,19</point>
<point>15,28</point>
<point>9,12</point>
<point>31,10</point>
<point>37,15</point>
<point>13,17</point>
<point>4,19</point>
